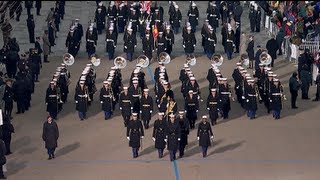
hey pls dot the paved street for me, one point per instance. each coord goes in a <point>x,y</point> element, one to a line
<point>264,149</point>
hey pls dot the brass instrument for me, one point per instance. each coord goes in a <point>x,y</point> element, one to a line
<point>164,58</point>
<point>191,60</point>
<point>265,58</point>
<point>68,59</point>
<point>244,59</point>
<point>120,62</point>
<point>95,60</point>
<point>143,61</point>
<point>257,92</point>
<point>217,60</point>
<point>170,107</point>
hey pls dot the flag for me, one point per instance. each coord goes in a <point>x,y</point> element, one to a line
<point>155,31</point>
<point>145,5</point>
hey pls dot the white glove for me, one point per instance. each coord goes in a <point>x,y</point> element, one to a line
<point>46,103</point>
<point>135,45</point>
<point>154,139</point>
<point>198,138</point>
<point>178,139</point>
<point>114,46</point>
<point>197,110</point>
<point>76,101</point>
<point>243,97</point>
<point>128,138</point>
<point>120,108</point>
<point>140,112</point>
<point>208,109</point>
<point>150,111</point>
<point>125,47</point>
<point>101,102</point>
<point>131,108</point>
<point>247,100</point>
<point>183,46</point>
<point>270,100</point>
<point>185,111</point>
<point>214,45</point>
<point>142,137</point>
<point>194,45</point>
<point>165,140</point>
<point>211,137</point>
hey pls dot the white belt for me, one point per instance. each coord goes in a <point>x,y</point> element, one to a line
<point>276,94</point>
<point>229,40</point>
<point>82,95</point>
<point>252,95</point>
<point>110,40</point>
<point>107,96</point>
<point>52,95</point>
<point>135,95</point>
<point>160,44</point>
<point>225,92</point>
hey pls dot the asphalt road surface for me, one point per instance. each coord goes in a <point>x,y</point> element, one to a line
<point>264,148</point>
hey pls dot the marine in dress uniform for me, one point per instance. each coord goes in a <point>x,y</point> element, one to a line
<point>122,16</point>
<point>229,44</point>
<point>267,90</point>
<point>169,36</point>
<point>157,19</point>
<point>111,42</point>
<point>52,99</point>
<point>8,98</point>
<point>146,108</point>
<point>193,14</point>
<point>251,98</point>
<point>212,106</point>
<point>204,135</point>
<point>72,42</point>
<point>147,46</point>
<point>91,42</point>
<point>184,132</point>
<point>213,15</point>
<point>210,43</point>
<point>134,18</point>
<point>106,98</point>
<point>189,42</point>
<point>191,108</point>
<point>81,98</point>
<point>135,132</point>
<point>173,136</point>
<point>112,12</point>
<point>176,18</point>
<point>276,94</point>
<point>135,94</point>
<point>161,44</point>
<point>125,105</point>
<point>159,134</point>
<point>224,94</point>
<point>100,19</point>
<point>130,42</point>
<point>204,34</point>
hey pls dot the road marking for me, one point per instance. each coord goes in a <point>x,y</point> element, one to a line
<point>186,160</point>
<point>176,172</point>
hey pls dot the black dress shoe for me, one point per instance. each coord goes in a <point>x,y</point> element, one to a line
<point>18,112</point>
<point>295,107</point>
<point>315,100</point>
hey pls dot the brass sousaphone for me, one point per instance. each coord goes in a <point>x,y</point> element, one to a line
<point>95,60</point>
<point>68,59</point>
<point>120,62</point>
<point>164,58</point>
<point>244,59</point>
<point>265,58</point>
<point>191,60</point>
<point>217,60</point>
<point>143,61</point>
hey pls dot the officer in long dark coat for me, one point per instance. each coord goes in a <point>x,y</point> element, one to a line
<point>72,42</point>
<point>294,87</point>
<point>276,94</point>
<point>7,130</point>
<point>204,135</point>
<point>8,98</point>
<point>212,106</point>
<point>135,132</point>
<point>183,73</point>
<point>229,43</point>
<point>63,83</point>
<point>176,18</point>
<point>189,42</point>
<point>161,44</point>
<point>100,19</point>
<point>146,108</point>
<point>106,97</point>
<point>11,63</point>
<point>238,80</point>
<point>250,51</point>
<point>81,98</point>
<point>169,36</point>
<point>31,26</point>
<point>306,80</point>
<point>191,108</point>
<point>91,42</point>
<point>173,136</point>
<point>111,42</point>
<point>52,100</point>
<point>90,83</point>
<point>19,88</point>
<point>252,18</point>
<point>184,132</point>
<point>258,19</point>
<point>112,12</point>
<point>125,105</point>
<point>122,17</point>
<point>147,46</point>
<point>272,47</point>
<point>159,134</point>
<point>36,64</point>
<point>130,42</point>
<point>38,7</point>
<point>50,135</point>
<point>257,58</point>
<point>251,97</point>
<point>193,14</point>
<point>210,43</point>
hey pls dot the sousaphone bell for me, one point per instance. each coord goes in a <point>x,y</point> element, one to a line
<point>143,61</point>
<point>265,58</point>
<point>68,59</point>
<point>120,62</point>
<point>95,60</point>
<point>244,59</point>
<point>164,58</point>
<point>191,60</point>
<point>217,60</point>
